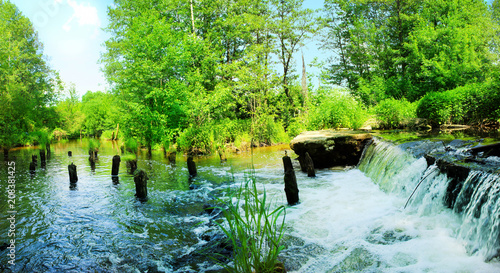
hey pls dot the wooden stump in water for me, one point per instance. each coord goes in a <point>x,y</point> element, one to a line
<point>70,153</point>
<point>73,177</point>
<point>291,189</point>
<point>48,149</point>
<point>34,158</point>
<point>131,166</point>
<point>222,155</point>
<point>171,157</point>
<point>32,167</point>
<point>191,167</point>
<point>42,156</point>
<point>141,184</point>
<point>6,154</point>
<point>116,165</point>
<point>308,162</point>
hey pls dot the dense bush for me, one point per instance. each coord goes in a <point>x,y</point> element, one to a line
<point>393,113</point>
<point>337,109</point>
<point>469,104</point>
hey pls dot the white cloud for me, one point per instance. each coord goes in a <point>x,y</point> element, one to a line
<point>85,14</point>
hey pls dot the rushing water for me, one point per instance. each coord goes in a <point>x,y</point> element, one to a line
<point>350,220</point>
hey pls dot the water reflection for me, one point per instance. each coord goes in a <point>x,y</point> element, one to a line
<point>94,225</point>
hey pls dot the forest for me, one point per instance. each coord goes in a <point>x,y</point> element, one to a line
<point>197,76</point>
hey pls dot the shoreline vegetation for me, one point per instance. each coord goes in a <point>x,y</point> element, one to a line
<point>202,80</point>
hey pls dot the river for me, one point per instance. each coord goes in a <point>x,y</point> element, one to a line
<point>348,220</point>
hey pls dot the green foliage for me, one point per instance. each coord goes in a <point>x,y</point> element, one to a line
<point>298,125</point>
<point>392,113</point>
<point>254,230</point>
<point>27,84</point>
<point>59,134</point>
<point>93,144</point>
<point>407,48</point>
<point>267,130</point>
<point>467,104</point>
<point>108,134</point>
<point>101,111</point>
<point>42,137</point>
<point>337,109</point>
<point>131,145</point>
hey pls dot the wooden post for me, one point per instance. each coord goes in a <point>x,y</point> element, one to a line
<point>116,165</point>
<point>73,177</point>
<point>141,185</point>
<point>6,154</point>
<point>132,166</point>
<point>171,157</point>
<point>42,156</point>
<point>191,167</point>
<point>34,158</point>
<point>291,189</point>
<point>116,135</point>
<point>70,153</point>
<point>48,148</point>
<point>32,167</point>
<point>308,162</point>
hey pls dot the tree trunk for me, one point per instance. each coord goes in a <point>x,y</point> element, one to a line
<point>116,135</point>
<point>291,189</point>
<point>141,185</point>
<point>6,154</point>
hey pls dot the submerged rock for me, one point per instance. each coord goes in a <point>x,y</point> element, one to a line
<point>329,148</point>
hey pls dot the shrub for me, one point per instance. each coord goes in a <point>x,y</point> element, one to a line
<point>93,144</point>
<point>108,134</point>
<point>131,145</point>
<point>267,130</point>
<point>337,109</point>
<point>393,113</point>
<point>297,125</point>
<point>472,103</point>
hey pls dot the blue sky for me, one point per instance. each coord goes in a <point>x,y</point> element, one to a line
<point>71,31</point>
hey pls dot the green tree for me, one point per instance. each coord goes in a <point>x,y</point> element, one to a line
<point>71,118</point>
<point>27,84</point>
<point>407,48</point>
<point>159,69</point>
<point>293,25</point>
<point>101,112</point>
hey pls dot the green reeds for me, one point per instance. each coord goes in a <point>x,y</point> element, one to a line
<point>254,230</point>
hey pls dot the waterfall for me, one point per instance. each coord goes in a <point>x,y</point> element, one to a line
<point>476,200</point>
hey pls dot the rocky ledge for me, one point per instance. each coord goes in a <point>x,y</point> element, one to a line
<point>328,148</point>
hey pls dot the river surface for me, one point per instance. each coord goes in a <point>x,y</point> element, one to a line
<point>348,220</point>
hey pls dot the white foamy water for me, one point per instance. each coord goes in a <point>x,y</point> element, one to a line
<point>346,223</point>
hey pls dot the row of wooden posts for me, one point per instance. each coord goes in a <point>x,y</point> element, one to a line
<point>140,176</point>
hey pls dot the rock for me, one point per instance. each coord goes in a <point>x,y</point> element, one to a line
<point>329,148</point>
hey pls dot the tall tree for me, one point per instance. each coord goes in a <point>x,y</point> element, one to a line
<point>27,84</point>
<point>293,26</point>
<point>405,48</point>
<point>157,67</point>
